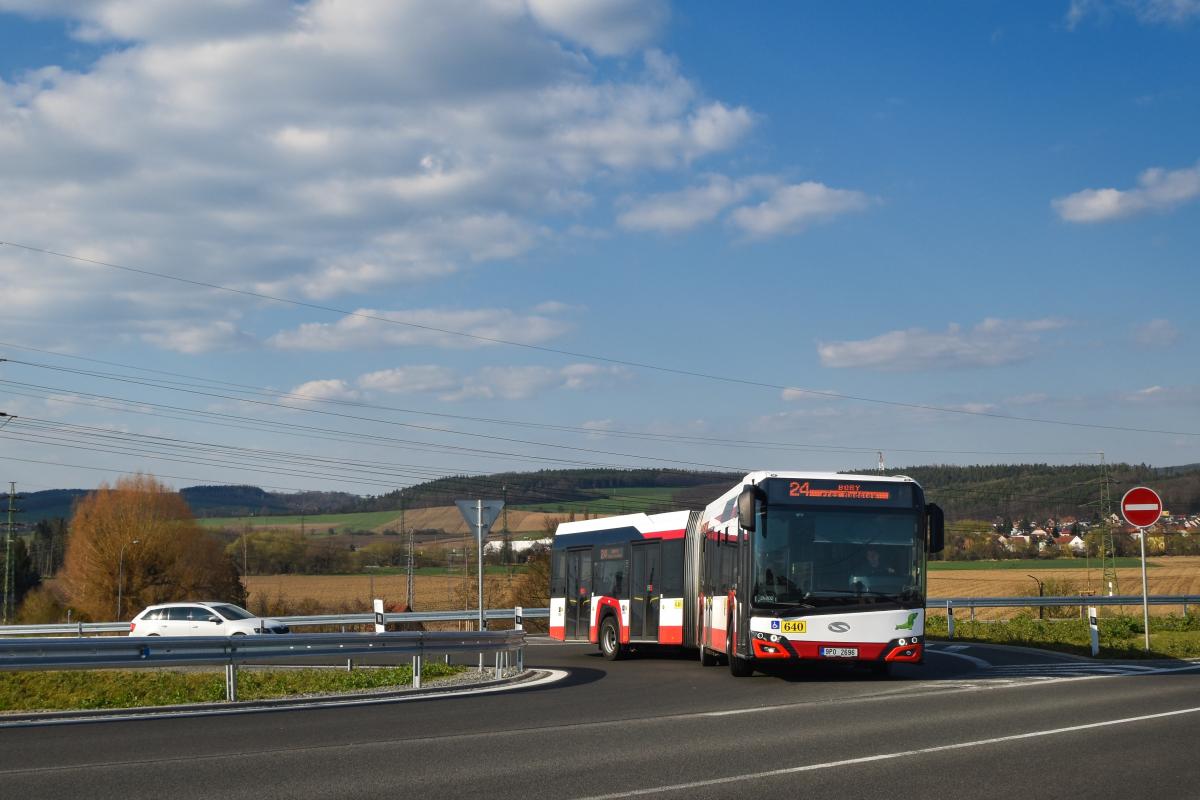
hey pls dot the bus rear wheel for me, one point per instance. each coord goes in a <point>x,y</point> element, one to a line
<point>610,639</point>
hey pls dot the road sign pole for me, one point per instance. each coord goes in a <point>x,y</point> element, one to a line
<point>1142,508</point>
<point>479,553</point>
<point>1145,598</point>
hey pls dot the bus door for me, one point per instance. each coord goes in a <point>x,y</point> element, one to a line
<point>579,594</point>
<point>647,591</point>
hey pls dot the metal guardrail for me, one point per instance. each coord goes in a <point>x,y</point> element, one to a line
<point>84,628</point>
<point>106,652</point>
<point>1183,600</point>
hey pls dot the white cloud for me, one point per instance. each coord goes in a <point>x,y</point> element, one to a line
<point>412,380</point>
<point>323,148</point>
<point>492,382</point>
<point>803,395</point>
<point>674,212</point>
<point>588,376</point>
<point>993,342</point>
<point>1182,396</point>
<point>206,338</point>
<point>607,27</point>
<point>1149,12</point>
<point>1156,333</point>
<point>363,333</point>
<point>1157,190</point>
<point>791,208</point>
<point>329,389</point>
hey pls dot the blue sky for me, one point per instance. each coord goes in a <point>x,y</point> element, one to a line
<point>979,212</point>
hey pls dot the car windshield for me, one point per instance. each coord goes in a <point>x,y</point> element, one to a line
<point>232,612</point>
<point>812,558</point>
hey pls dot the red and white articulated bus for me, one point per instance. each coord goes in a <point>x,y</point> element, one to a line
<point>783,567</point>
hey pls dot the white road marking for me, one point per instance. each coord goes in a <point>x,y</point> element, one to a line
<point>952,652</point>
<point>889,756</point>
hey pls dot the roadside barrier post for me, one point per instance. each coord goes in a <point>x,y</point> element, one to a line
<point>231,677</point>
<point>519,624</point>
<point>950,618</point>
<point>1094,631</point>
<point>416,669</point>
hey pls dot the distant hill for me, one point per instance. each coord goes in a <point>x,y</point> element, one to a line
<point>1034,491</point>
<point>48,504</point>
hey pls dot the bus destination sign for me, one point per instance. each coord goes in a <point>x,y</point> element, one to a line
<point>834,492</point>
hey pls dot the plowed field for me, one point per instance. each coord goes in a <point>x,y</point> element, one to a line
<point>1176,575</point>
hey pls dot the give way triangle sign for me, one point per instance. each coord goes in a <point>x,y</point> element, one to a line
<point>480,513</point>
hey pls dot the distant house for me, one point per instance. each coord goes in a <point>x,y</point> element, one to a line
<point>1074,543</point>
<point>1018,541</point>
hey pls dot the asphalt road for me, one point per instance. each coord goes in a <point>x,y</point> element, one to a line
<point>973,722</point>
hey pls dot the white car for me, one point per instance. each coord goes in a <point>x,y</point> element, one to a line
<point>201,619</point>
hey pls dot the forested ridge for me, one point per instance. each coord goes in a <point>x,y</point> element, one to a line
<point>975,492</point>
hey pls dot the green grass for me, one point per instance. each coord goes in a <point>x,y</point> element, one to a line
<point>316,523</point>
<point>1031,563</point>
<point>629,501</point>
<point>96,689</point>
<point>1120,636</point>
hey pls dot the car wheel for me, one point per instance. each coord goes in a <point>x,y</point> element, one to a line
<point>152,634</point>
<point>239,633</point>
<point>610,639</point>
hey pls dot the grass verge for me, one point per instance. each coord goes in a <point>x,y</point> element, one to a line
<point>1120,636</point>
<point>76,690</point>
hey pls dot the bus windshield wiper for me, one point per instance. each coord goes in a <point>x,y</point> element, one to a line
<point>781,608</point>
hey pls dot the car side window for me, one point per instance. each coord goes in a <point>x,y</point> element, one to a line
<point>180,613</point>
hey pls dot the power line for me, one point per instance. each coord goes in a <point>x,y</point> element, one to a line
<point>589,356</point>
<point>358,418</point>
<point>679,438</point>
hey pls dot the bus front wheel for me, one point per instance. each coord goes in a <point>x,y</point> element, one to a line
<point>738,667</point>
<point>610,639</point>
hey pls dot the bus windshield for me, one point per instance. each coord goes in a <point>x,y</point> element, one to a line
<point>810,558</point>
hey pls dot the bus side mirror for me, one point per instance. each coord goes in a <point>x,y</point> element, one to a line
<point>937,527</point>
<point>746,507</point>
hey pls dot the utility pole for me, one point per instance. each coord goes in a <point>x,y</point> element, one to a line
<point>10,586</point>
<point>1108,548</point>
<point>506,547</point>
<point>409,534</point>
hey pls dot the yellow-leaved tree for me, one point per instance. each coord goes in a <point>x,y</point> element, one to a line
<point>139,538</point>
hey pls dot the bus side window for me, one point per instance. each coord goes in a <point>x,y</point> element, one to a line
<point>672,568</point>
<point>728,560</point>
<point>709,558</point>
<point>558,569</point>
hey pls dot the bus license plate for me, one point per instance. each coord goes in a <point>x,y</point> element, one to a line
<point>839,652</point>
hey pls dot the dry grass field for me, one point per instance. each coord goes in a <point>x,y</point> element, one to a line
<point>432,592</point>
<point>1176,575</point>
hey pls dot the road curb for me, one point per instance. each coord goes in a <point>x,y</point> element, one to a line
<point>21,718</point>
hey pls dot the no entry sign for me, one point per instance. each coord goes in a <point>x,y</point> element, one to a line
<point>1141,507</point>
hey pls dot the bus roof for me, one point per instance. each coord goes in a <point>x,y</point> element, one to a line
<point>714,509</point>
<point>644,523</point>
